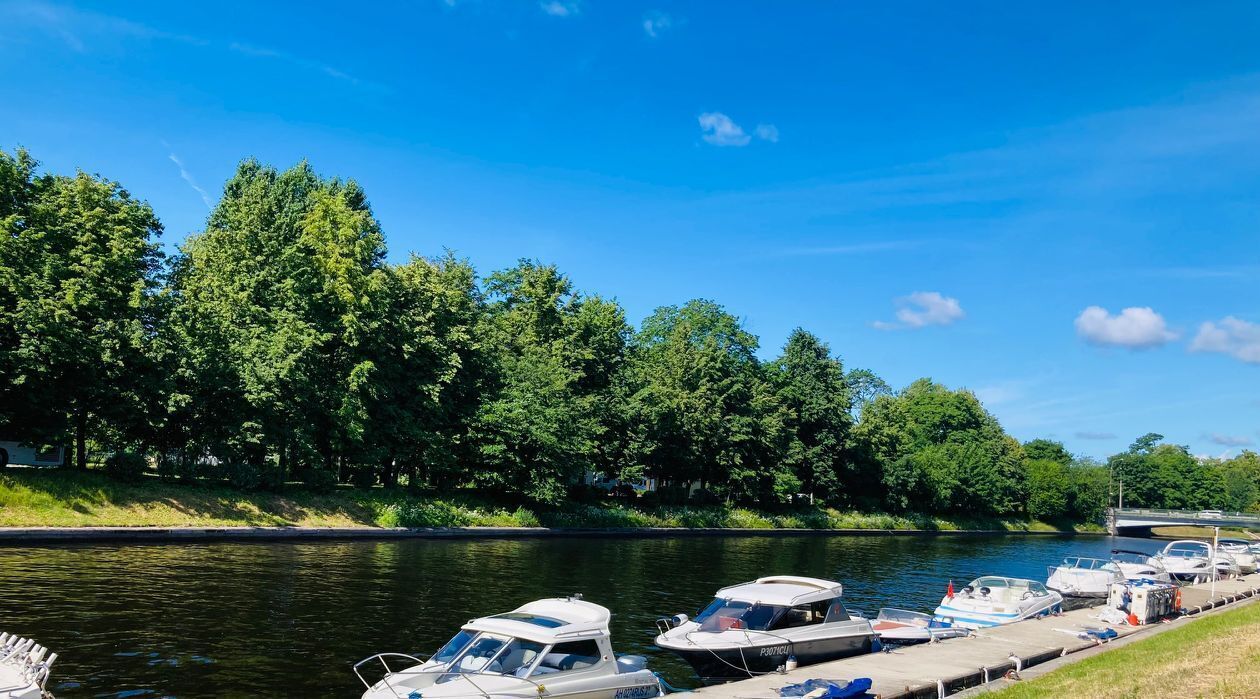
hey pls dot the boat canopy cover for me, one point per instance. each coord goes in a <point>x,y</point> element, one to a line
<point>547,621</point>
<point>783,590</point>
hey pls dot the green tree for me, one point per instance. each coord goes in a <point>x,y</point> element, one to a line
<point>79,270</point>
<point>1047,450</point>
<point>1049,489</point>
<point>708,413</point>
<point>810,385</point>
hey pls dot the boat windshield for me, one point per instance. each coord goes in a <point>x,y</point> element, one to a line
<point>493,654</point>
<point>1186,550</point>
<point>724,614</point>
<point>1131,557</point>
<point>1087,564</point>
<point>453,647</point>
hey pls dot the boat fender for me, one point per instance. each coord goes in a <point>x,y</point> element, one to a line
<point>791,663</point>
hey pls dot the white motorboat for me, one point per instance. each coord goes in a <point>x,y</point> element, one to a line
<point>1242,553</point>
<point>993,600</point>
<point>24,668</point>
<point>1077,576</point>
<point>756,627</point>
<point>548,648</point>
<point>1188,560</point>
<point>1226,565</point>
<point>1136,565</point>
<point>904,627</point>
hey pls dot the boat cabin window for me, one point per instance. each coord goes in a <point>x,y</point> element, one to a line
<point>835,611</point>
<point>806,615</point>
<point>544,621</point>
<point>479,653</point>
<point>452,648</point>
<point>724,615</point>
<point>516,658</point>
<point>574,655</point>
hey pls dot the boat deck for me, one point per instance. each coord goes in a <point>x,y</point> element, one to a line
<point>940,669</point>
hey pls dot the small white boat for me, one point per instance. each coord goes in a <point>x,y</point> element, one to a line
<point>993,600</point>
<point>24,668</point>
<point>904,627</point>
<point>548,648</point>
<point>1188,560</point>
<point>756,627</point>
<point>1226,565</point>
<point>1241,551</point>
<point>1077,576</point>
<point>1136,565</point>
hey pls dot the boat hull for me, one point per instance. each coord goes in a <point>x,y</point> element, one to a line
<point>739,663</point>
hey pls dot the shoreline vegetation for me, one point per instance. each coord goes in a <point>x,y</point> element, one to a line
<point>64,498</point>
<point>283,351</point>
<point>1212,656</point>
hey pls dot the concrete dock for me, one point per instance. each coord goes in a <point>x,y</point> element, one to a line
<point>935,670</point>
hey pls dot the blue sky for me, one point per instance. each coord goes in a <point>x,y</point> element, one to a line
<point>1056,206</point>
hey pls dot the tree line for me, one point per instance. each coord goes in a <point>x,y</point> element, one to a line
<point>279,344</point>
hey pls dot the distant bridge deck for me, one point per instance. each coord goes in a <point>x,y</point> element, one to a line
<point>1136,521</point>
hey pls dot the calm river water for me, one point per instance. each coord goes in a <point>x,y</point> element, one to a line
<point>280,619</point>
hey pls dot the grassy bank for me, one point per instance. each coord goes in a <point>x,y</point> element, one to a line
<point>30,498</point>
<point>1215,656</point>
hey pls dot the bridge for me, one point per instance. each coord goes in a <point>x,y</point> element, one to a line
<point>1130,521</point>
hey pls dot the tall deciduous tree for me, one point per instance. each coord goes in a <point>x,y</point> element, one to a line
<point>810,385</point>
<point>79,268</point>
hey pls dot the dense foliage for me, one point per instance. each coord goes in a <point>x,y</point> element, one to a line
<point>279,344</point>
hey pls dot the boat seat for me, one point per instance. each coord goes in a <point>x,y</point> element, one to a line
<point>566,661</point>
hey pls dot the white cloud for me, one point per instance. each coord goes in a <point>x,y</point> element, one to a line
<point>657,22</point>
<point>1134,328</point>
<point>923,308</point>
<point>1095,435</point>
<point>1233,336</point>
<point>1228,440</point>
<point>721,131</point>
<point>192,182</point>
<point>767,132</point>
<point>561,8</point>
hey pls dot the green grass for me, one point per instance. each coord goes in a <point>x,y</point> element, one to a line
<point>66,498</point>
<point>1213,656</point>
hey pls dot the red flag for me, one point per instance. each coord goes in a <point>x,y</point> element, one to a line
<point>949,592</point>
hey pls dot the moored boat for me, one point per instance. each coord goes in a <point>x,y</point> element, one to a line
<point>1078,576</point>
<point>756,627</point>
<point>1188,560</point>
<point>24,668</point>
<point>1240,550</point>
<point>993,600</point>
<point>1136,565</point>
<point>904,627</point>
<point>560,647</point>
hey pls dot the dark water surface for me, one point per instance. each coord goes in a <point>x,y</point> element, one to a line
<point>282,619</point>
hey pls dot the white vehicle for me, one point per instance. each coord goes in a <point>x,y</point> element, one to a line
<point>21,454</point>
<point>1136,565</point>
<point>23,668</point>
<point>754,628</point>
<point>1210,514</point>
<point>1188,560</point>
<point>1240,550</point>
<point>904,627</point>
<point>992,601</point>
<point>1084,577</point>
<point>548,648</point>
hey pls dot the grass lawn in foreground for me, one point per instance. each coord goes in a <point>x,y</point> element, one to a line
<point>1215,656</point>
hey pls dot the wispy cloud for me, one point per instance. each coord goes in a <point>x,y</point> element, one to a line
<point>850,248</point>
<point>921,309</point>
<point>81,30</point>
<point>1133,328</point>
<point>192,181</point>
<point>1228,440</point>
<point>1232,336</point>
<point>1096,436</point>
<point>561,8</point>
<point>656,23</point>
<point>720,130</point>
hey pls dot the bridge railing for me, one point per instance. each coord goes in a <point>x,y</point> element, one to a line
<point>1185,514</point>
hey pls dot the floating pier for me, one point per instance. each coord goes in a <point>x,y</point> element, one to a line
<point>935,670</point>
